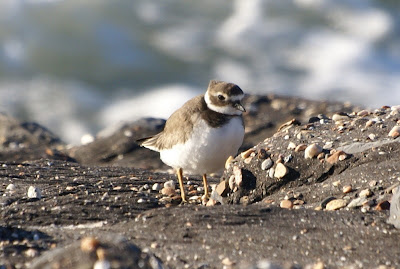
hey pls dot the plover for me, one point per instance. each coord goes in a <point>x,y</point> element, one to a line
<point>202,134</point>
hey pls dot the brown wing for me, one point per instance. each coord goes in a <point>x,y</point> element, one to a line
<point>178,127</point>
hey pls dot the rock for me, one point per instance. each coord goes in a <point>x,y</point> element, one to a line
<point>267,164</point>
<point>211,202</point>
<point>156,187</point>
<point>363,113</point>
<point>280,171</point>
<point>286,204</point>
<point>394,217</point>
<point>168,191</point>
<point>395,131</point>
<point>347,189</point>
<point>34,193</point>
<point>262,154</point>
<point>300,147</point>
<point>357,202</point>
<point>247,153</point>
<point>112,249</point>
<point>222,188</point>
<point>291,145</point>
<point>337,156</point>
<point>237,172</point>
<point>232,184</point>
<point>312,151</point>
<point>170,184</point>
<point>341,116</point>
<point>336,204</point>
<point>228,162</point>
<point>11,187</point>
<point>365,193</point>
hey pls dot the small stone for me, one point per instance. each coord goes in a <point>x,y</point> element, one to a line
<point>247,153</point>
<point>228,161</point>
<point>169,184</point>
<point>383,205</point>
<point>341,116</point>
<point>321,156</point>
<point>372,183</point>
<point>248,160</point>
<point>222,188</point>
<point>156,187</point>
<point>262,154</point>
<point>318,265</point>
<point>237,172</point>
<point>337,156</point>
<point>347,189</point>
<point>369,123</point>
<point>291,146</point>
<point>31,253</point>
<point>102,264</point>
<point>365,193</point>
<point>336,204</point>
<point>271,172</point>
<point>89,244</point>
<point>232,184</point>
<point>211,202</point>
<point>363,113</point>
<point>267,164</point>
<point>300,147</point>
<point>34,192</point>
<point>286,204</point>
<point>168,191</point>
<point>226,261</point>
<point>11,187</point>
<point>312,151</point>
<point>372,137</point>
<point>395,132</point>
<point>280,171</point>
<point>336,183</point>
<point>357,202</point>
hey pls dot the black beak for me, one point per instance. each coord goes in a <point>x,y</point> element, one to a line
<point>239,106</point>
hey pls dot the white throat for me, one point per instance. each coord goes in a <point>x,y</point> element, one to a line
<point>227,110</point>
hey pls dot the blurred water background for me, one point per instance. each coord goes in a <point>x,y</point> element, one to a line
<point>79,66</point>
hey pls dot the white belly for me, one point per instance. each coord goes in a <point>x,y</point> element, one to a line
<point>208,148</point>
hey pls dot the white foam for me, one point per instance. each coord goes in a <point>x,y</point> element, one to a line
<point>158,102</point>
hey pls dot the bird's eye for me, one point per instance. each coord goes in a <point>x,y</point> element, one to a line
<point>221,97</point>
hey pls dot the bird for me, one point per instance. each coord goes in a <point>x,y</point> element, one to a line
<point>199,137</point>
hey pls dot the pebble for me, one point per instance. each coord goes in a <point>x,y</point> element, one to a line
<point>280,171</point>
<point>357,202</point>
<point>336,204</point>
<point>222,188</point>
<point>11,187</point>
<point>228,161</point>
<point>267,164</point>
<point>156,187</point>
<point>271,172</point>
<point>347,189</point>
<point>211,202</point>
<point>237,172</point>
<point>247,153</point>
<point>340,116</point>
<point>312,151</point>
<point>300,147</point>
<point>383,205</point>
<point>395,132</point>
<point>363,113</point>
<point>34,192</point>
<point>369,123</point>
<point>169,184</point>
<point>365,193</point>
<point>286,204</point>
<point>248,160</point>
<point>226,261</point>
<point>291,146</point>
<point>231,183</point>
<point>372,137</point>
<point>168,191</point>
<point>337,156</point>
<point>262,154</point>
<point>102,264</point>
<point>31,253</point>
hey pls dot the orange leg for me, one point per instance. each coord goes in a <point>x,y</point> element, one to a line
<point>206,194</point>
<point>180,179</point>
